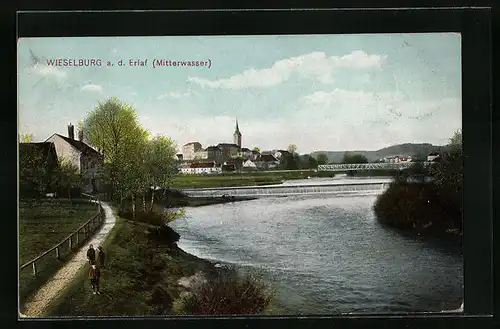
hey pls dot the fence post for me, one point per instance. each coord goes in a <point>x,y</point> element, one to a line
<point>57,252</point>
<point>77,234</point>
<point>70,244</point>
<point>34,269</point>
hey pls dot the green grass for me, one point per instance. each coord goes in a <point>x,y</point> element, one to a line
<point>243,179</point>
<point>42,225</point>
<point>140,277</point>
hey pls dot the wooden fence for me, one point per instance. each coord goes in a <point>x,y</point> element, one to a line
<point>74,240</point>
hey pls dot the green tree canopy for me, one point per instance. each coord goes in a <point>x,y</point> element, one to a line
<point>67,176</point>
<point>322,159</point>
<point>354,158</point>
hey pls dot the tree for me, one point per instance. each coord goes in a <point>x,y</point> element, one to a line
<point>448,171</point>
<point>81,130</point>
<point>307,162</point>
<point>160,164</point>
<point>354,158</point>
<point>26,138</point>
<point>67,176</point>
<point>113,127</point>
<point>322,159</point>
<point>33,174</point>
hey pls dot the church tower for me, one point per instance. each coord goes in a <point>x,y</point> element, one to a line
<point>237,135</point>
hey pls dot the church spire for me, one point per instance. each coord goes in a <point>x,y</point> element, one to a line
<point>237,135</point>
<point>237,128</point>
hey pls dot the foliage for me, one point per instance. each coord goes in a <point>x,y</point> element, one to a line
<point>225,294</point>
<point>406,205</point>
<point>322,159</point>
<point>35,173</point>
<point>354,158</point>
<point>307,162</point>
<point>415,206</point>
<point>448,171</point>
<point>292,148</point>
<point>160,164</point>
<point>67,176</point>
<point>26,138</point>
<point>417,171</point>
<point>256,149</point>
<point>112,127</point>
<point>133,162</point>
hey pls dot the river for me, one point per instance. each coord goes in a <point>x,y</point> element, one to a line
<point>326,254</point>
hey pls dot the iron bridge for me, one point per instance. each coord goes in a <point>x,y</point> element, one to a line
<point>369,166</point>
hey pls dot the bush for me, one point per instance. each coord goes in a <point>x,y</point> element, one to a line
<point>416,206</point>
<point>225,294</point>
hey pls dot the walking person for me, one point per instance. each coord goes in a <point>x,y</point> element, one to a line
<point>94,275</point>
<point>101,255</point>
<point>91,255</point>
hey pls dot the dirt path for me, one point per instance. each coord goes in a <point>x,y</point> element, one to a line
<point>38,303</point>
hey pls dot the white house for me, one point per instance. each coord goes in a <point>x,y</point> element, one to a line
<point>249,165</point>
<point>433,157</point>
<point>201,168</point>
<point>88,161</point>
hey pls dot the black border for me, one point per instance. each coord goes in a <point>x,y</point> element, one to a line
<point>473,23</point>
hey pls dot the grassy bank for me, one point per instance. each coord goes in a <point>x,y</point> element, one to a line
<point>421,208</point>
<point>42,224</point>
<point>141,277</point>
<point>244,179</point>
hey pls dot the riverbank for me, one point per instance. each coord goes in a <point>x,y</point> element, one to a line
<point>256,178</point>
<point>146,273</point>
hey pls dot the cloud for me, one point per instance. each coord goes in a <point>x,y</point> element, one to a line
<point>92,87</point>
<point>48,71</point>
<point>335,120</point>
<point>316,66</point>
<point>174,95</point>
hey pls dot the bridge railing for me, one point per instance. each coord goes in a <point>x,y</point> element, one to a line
<point>72,241</point>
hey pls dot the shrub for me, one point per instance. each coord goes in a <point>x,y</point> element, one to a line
<point>406,205</point>
<point>225,294</point>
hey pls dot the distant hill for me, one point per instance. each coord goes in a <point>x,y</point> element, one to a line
<point>408,149</point>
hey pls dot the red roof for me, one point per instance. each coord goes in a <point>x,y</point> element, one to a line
<point>203,165</point>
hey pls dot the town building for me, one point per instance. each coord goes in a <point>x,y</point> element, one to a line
<point>245,153</point>
<point>266,161</point>
<point>229,151</point>
<point>249,165</point>
<point>201,168</point>
<point>433,157</point>
<point>255,155</point>
<point>214,153</point>
<point>189,150</point>
<point>86,160</point>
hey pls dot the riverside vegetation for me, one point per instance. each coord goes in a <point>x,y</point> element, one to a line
<point>433,207</point>
<point>146,273</point>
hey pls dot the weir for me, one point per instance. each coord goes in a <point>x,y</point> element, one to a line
<point>289,190</point>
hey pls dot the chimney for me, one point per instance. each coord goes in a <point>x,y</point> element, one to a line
<point>80,135</point>
<point>71,131</point>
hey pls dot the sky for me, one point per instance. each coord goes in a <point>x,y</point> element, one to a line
<point>319,92</point>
